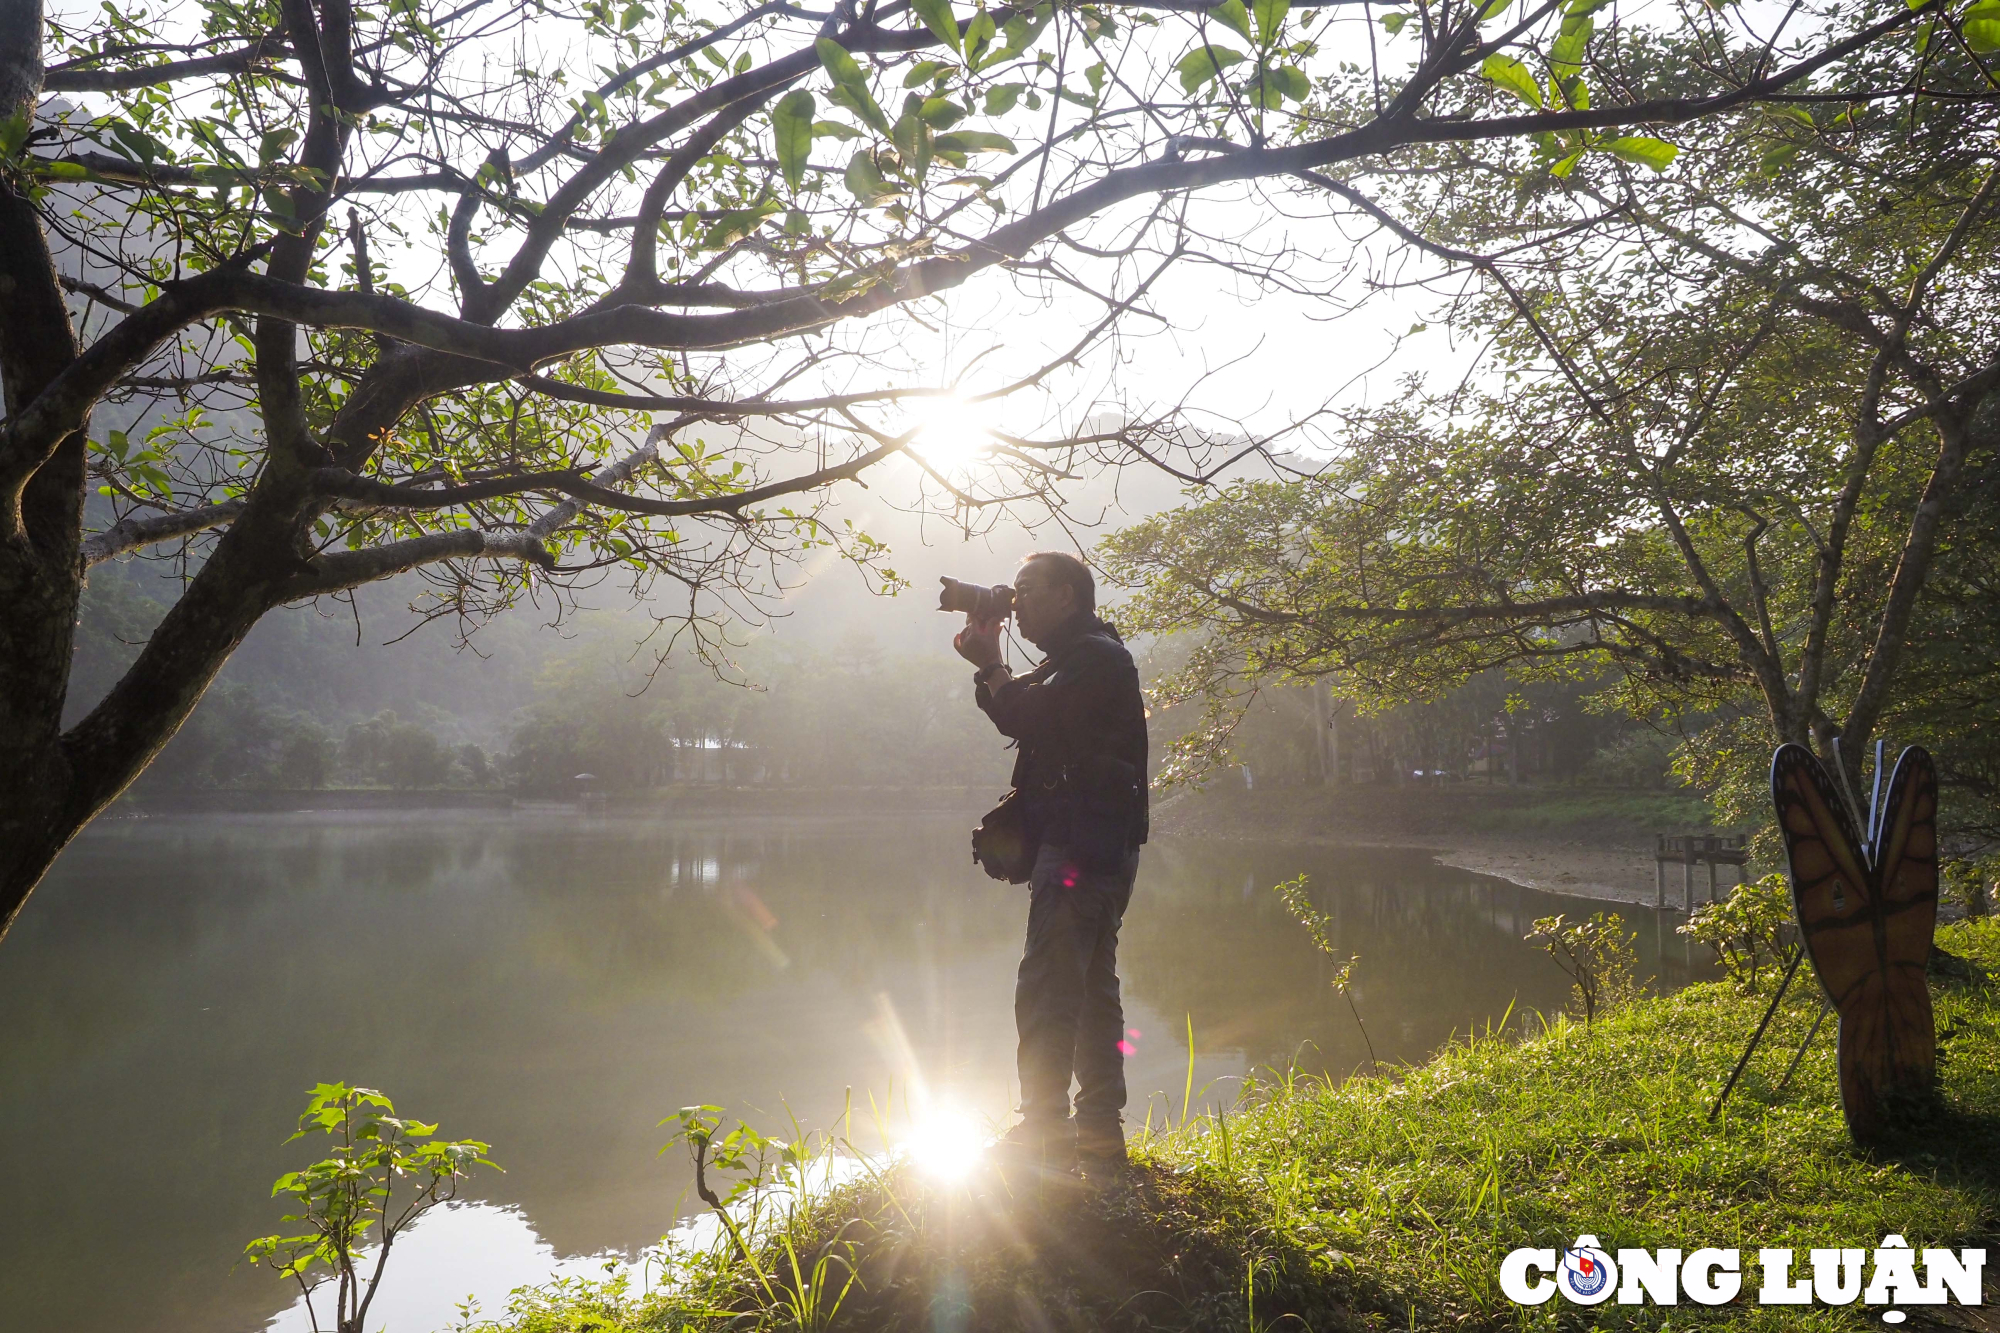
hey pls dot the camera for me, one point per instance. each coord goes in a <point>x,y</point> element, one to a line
<point>994,603</point>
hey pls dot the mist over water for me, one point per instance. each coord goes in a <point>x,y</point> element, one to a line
<point>556,984</point>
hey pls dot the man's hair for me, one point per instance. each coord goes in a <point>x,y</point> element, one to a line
<point>1067,569</point>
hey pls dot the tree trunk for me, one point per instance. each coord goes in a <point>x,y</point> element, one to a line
<point>41,517</point>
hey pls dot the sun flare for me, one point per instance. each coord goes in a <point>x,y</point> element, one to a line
<point>945,1144</point>
<point>952,433</point>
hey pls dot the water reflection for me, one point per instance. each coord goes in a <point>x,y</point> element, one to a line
<point>556,985</point>
<point>460,1260</point>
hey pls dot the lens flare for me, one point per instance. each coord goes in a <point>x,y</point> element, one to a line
<point>952,434</point>
<point>945,1144</point>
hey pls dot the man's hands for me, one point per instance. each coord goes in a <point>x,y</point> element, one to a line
<point>979,642</point>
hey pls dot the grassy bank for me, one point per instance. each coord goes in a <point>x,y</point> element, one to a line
<point>1387,1203</point>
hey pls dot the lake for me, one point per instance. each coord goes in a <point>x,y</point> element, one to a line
<point>556,984</point>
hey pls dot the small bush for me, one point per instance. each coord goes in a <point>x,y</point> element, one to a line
<point>386,1172</point>
<point>1596,954</point>
<point>1746,931</point>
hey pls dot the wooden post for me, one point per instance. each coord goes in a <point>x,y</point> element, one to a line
<point>1319,729</point>
<point>1333,711</point>
<point>1659,872</point>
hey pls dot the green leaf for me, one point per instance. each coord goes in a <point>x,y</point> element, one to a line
<point>979,35</point>
<point>138,143</point>
<point>1567,165</point>
<point>1566,53</point>
<point>975,141</point>
<point>1571,92</point>
<point>1231,14</point>
<point>833,129</point>
<point>1204,64</point>
<point>913,141</point>
<point>1981,26</point>
<point>1261,91</point>
<point>924,71</point>
<point>733,226</point>
<point>1001,97</point>
<point>1654,153</point>
<point>1021,34</point>
<point>1512,75</point>
<point>839,64</point>
<point>1494,9</point>
<point>1292,82</point>
<point>936,15</point>
<point>792,123</point>
<point>856,98</point>
<point>68,171</point>
<point>1271,18</point>
<point>1095,77</point>
<point>1393,23</point>
<point>941,113</point>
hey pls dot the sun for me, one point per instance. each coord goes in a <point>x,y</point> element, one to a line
<point>952,434</point>
<point>945,1144</point>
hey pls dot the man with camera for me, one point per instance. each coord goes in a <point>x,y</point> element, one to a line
<point>1078,816</point>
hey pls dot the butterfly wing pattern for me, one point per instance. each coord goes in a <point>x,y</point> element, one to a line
<point>1867,914</point>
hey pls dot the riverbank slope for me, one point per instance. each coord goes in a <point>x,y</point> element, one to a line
<point>1388,1202</point>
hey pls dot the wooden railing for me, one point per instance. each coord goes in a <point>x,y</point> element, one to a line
<point>1690,850</point>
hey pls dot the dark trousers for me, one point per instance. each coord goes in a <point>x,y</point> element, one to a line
<point>1066,1005</point>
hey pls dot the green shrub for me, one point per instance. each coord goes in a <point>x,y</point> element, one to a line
<point>360,1188</point>
<point>1747,930</point>
<point>1596,954</point>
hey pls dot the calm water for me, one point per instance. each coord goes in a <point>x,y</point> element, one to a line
<point>556,985</point>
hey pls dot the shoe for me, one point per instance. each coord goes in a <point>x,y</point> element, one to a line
<point>1100,1149</point>
<point>1048,1146</point>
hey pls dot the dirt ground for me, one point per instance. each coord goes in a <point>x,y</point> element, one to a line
<point>1591,845</point>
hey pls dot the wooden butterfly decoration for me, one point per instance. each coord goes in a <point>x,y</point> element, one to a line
<point>1867,907</point>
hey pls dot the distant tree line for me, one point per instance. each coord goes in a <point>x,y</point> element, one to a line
<point>1489,729</point>
<point>851,716</point>
<point>238,741</point>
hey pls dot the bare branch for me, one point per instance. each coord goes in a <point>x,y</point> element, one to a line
<point>131,534</point>
<point>75,78</point>
<point>342,570</point>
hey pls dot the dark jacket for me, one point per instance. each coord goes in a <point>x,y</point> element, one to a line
<point>1081,726</point>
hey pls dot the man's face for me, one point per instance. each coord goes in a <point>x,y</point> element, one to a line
<point>1041,603</point>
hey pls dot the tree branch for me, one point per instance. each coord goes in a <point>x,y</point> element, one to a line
<point>131,534</point>
<point>339,571</point>
<point>69,78</point>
